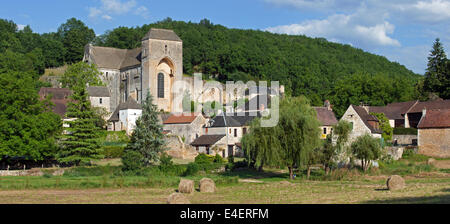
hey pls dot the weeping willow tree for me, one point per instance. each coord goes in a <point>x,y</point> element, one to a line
<point>289,143</point>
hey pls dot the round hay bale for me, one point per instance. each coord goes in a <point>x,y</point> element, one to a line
<point>186,186</point>
<point>431,161</point>
<point>395,182</point>
<point>177,198</point>
<point>207,185</point>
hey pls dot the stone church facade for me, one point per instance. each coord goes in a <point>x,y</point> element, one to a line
<point>154,68</point>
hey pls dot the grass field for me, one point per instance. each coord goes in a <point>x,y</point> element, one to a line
<point>424,184</point>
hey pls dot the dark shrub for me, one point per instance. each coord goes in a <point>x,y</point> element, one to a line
<point>192,169</point>
<point>218,159</point>
<point>113,151</point>
<point>132,160</point>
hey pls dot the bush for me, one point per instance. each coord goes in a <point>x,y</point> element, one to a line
<point>202,158</point>
<point>132,161</point>
<point>192,169</point>
<point>218,159</point>
<point>111,152</point>
<point>405,131</point>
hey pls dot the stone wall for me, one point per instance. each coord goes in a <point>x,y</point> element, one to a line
<point>179,150</point>
<point>434,142</point>
<point>189,131</point>
<point>32,172</point>
<point>395,152</point>
<point>404,139</point>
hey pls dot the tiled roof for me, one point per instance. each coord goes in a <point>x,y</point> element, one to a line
<point>129,104</point>
<point>393,111</point>
<point>60,97</point>
<point>207,140</point>
<point>435,119</point>
<point>98,91</point>
<point>430,105</point>
<point>366,117</point>
<point>115,58</point>
<point>162,34</point>
<point>132,58</point>
<point>325,116</point>
<point>181,119</point>
<point>232,121</point>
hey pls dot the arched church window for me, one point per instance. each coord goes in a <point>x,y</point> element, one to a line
<point>160,85</point>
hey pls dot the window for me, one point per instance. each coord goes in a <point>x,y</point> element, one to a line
<point>244,131</point>
<point>235,132</point>
<point>324,131</point>
<point>160,85</point>
<point>101,101</point>
<point>230,131</point>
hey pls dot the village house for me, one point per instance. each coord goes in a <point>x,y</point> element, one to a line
<point>99,97</point>
<point>362,122</point>
<point>414,114</point>
<point>434,133</point>
<point>231,128</point>
<point>211,145</point>
<point>187,126</point>
<point>125,116</point>
<point>327,119</point>
<point>395,112</point>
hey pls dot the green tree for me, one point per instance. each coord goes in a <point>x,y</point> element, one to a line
<point>74,35</point>
<point>388,131</point>
<point>28,127</point>
<point>332,152</point>
<point>80,143</point>
<point>147,137</point>
<point>290,142</point>
<point>437,75</point>
<point>81,74</point>
<point>366,148</point>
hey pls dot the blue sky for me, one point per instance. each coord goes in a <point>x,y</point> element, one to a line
<point>401,30</point>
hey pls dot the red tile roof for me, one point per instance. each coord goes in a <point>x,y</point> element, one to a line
<point>181,119</point>
<point>393,110</point>
<point>430,105</point>
<point>435,119</point>
<point>60,97</point>
<point>325,116</point>
<point>366,117</point>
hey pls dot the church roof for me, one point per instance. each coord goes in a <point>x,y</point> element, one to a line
<point>107,57</point>
<point>132,58</point>
<point>162,34</point>
<point>130,104</point>
<point>98,91</point>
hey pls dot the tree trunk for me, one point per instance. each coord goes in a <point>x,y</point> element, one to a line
<point>291,173</point>
<point>308,173</point>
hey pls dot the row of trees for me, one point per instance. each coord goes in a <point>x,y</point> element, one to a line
<point>66,46</point>
<point>295,141</point>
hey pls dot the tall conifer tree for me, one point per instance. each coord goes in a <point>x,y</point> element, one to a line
<point>148,138</point>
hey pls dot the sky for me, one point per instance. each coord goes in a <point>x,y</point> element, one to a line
<point>401,30</point>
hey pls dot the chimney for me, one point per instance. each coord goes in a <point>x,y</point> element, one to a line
<point>365,106</point>
<point>327,105</point>
<point>424,112</point>
<point>261,107</point>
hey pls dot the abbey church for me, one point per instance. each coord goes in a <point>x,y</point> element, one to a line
<point>131,73</point>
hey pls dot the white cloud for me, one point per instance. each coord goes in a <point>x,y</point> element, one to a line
<point>110,8</point>
<point>21,26</point>
<point>344,29</point>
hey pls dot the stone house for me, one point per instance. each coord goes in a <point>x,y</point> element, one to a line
<point>99,97</point>
<point>233,128</point>
<point>211,145</point>
<point>327,119</point>
<point>434,133</point>
<point>362,122</point>
<point>414,114</point>
<point>125,116</point>
<point>187,126</point>
<point>395,112</point>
